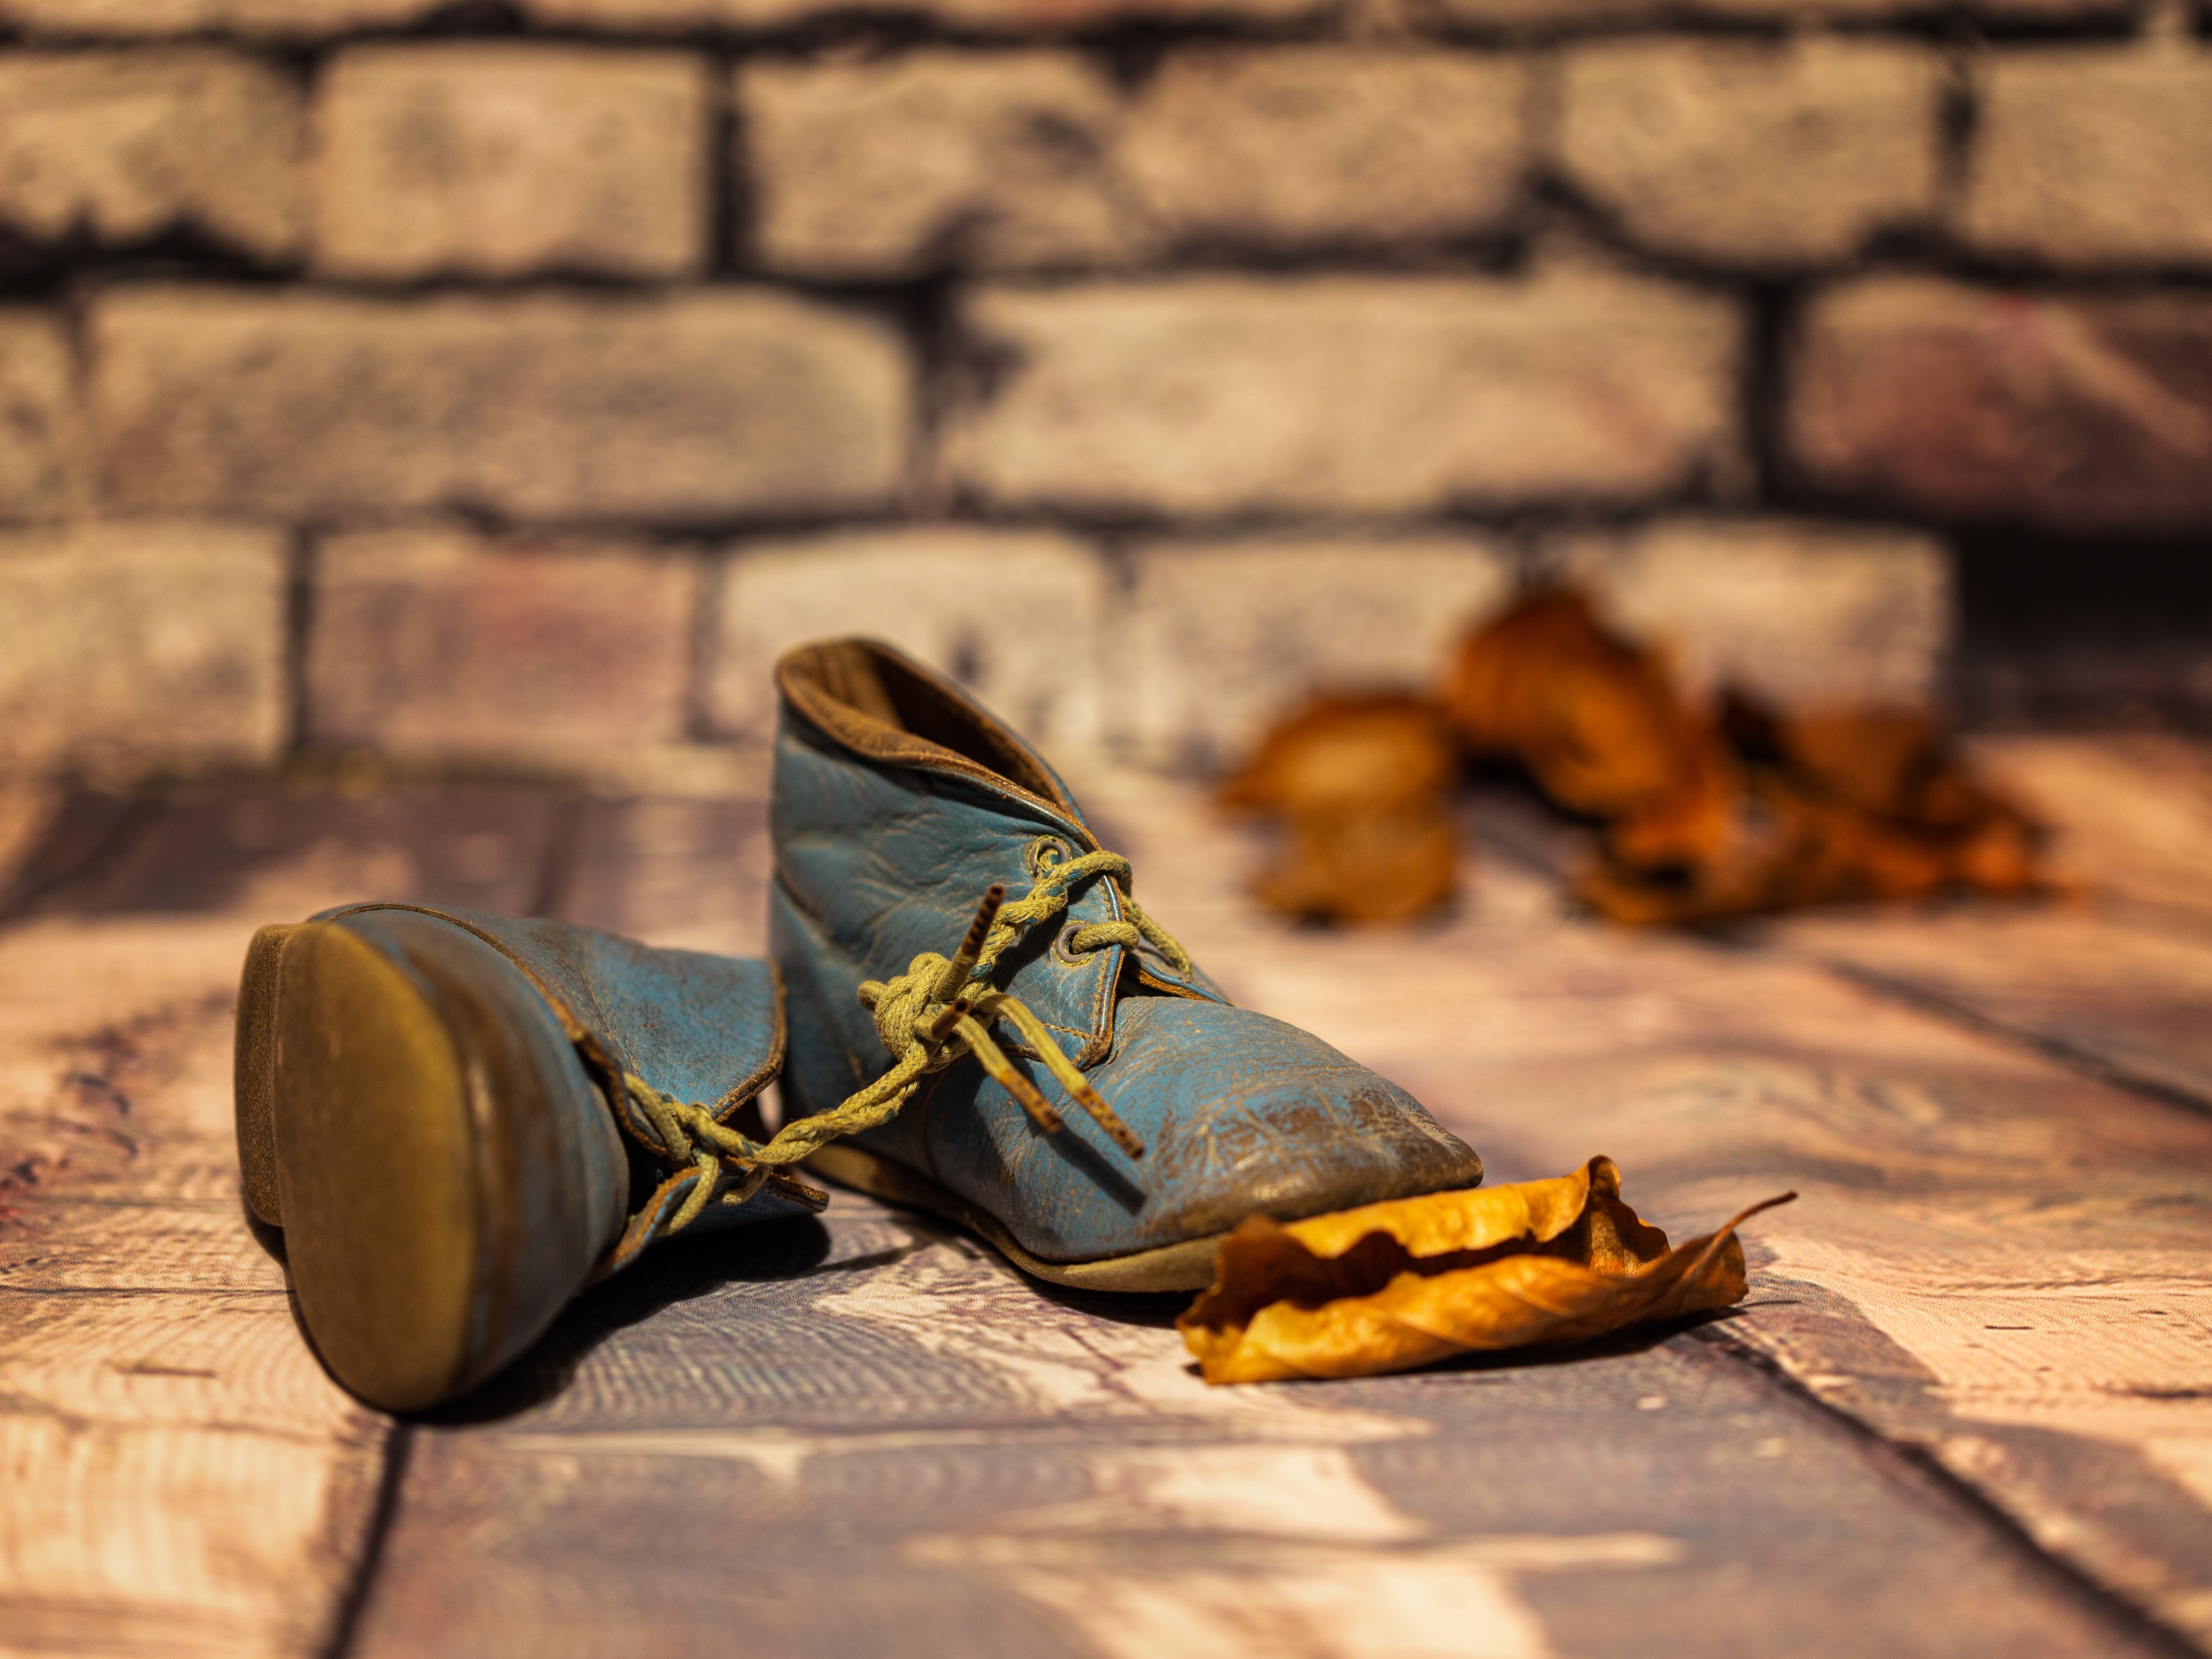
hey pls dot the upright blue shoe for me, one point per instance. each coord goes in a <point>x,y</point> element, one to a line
<point>459,1120</point>
<point>1050,1070</point>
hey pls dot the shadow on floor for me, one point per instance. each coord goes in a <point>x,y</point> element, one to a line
<point>675,1270</point>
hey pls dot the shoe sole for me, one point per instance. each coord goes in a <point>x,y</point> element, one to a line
<point>363,1102</point>
<point>355,1137</point>
<point>1185,1266</point>
<point>253,1076</point>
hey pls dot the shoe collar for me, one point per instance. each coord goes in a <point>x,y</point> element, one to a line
<point>878,703</point>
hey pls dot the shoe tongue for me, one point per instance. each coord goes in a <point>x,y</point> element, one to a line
<point>1071,993</point>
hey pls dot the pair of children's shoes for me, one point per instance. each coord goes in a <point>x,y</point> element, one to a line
<point>461,1120</point>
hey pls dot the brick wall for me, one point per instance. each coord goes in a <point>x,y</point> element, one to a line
<point>511,381</point>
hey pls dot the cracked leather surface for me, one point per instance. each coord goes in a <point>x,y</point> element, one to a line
<point>883,847</point>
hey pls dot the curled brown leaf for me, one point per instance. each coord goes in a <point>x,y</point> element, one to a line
<point>1598,724</point>
<point>1755,810</point>
<point>1390,1286</point>
<point>1701,814</point>
<point>1360,786</point>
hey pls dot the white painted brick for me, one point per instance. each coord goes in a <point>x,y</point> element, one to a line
<point>292,19</point>
<point>993,160</point>
<point>154,642</point>
<point>2097,156</point>
<point>1791,154</point>
<point>1364,394</point>
<point>1801,615</point>
<point>42,470</point>
<point>1016,615</point>
<point>1224,638</point>
<point>504,159</point>
<point>1018,18</point>
<point>539,405</point>
<point>127,144</point>
<point>1286,145</point>
<point>440,644</point>
<point>1537,15</point>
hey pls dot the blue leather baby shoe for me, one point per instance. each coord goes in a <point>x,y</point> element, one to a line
<point>1051,1070</point>
<point>459,1120</point>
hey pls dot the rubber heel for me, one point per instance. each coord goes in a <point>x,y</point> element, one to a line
<point>254,1071</point>
<point>447,1172</point>
<point>373,1144</point>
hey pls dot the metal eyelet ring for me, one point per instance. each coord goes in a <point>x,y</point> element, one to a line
<point>1063,946</point>
<point>1046,852</point>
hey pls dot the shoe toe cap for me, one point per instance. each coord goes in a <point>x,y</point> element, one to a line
<point>1243,1114</point>
<point>1240,1114</point>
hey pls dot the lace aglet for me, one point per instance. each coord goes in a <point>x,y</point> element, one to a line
<point>1108,1118</point>
<point>950,1016</point>
<point>1039,1038</point>
<point>1001,1070</point>
<point>971,948</point>
<point>1039,1108</point>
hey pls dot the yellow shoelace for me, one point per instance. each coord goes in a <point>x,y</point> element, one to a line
<point>937,1012</point>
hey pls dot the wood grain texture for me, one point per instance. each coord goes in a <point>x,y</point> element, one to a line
<point>2111,975</point>
<point>177,1472</point>
<point>864,1397</point>
<point>2114,975</point>
<point>868,1435</point>
<point>1952,1182</point>
<point>2132,814</point>
<point>2100,987</point>
<point>50,835</point>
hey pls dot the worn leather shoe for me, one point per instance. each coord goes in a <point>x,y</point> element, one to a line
<point>459,1120</point>
<point>1049,1069</point>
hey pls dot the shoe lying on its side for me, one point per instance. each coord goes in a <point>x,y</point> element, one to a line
<point>454,1115</point>
<point>1122,1115</point>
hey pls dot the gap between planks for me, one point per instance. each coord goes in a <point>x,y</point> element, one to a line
<point>2075,1580</point>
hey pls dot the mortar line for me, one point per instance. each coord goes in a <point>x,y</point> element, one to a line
<point>301,574</point>
<point>557,864</point>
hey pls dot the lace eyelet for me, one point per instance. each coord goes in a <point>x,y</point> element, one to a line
<point>1046,852</point>
<point>1063,946</point>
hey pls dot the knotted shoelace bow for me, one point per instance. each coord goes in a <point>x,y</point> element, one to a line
<point>938,1010</point>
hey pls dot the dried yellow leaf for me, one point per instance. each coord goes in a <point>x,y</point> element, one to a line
<point>1390,1286</point>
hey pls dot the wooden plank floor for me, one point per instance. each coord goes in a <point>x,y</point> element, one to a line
<point>1968,1406</point>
